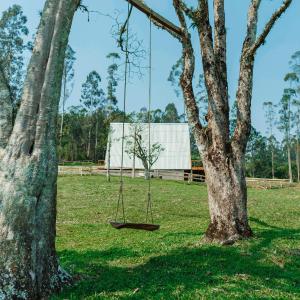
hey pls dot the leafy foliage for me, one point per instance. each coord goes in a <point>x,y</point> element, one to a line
<point>112,80</point>
<point>92,95</point>
<point>137,144</point>
<point>68,75</point>
<point>13,34</point>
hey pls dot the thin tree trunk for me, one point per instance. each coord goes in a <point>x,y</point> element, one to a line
<point>147,174</point>
<point>28,169</point>
<point>290,164</point>
<point>89,143</point>
<point>273,170</point>
<point>297,160</point>
<point>96,137</point>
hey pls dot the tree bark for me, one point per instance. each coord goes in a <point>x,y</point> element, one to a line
<point>227,198</point>
<point>28,169</point>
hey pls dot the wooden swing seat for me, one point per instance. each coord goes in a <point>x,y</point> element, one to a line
<point>138,226</point>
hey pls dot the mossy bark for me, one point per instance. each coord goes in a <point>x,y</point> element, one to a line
<point>227,198</point>
<point>28,169</point>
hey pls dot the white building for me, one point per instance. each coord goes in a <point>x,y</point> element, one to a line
<point>174,138</point>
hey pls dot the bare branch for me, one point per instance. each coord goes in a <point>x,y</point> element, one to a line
<point>261,39</point>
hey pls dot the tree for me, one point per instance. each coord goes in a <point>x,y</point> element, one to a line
<point>223,156</point>
<point>12,46</point>
<point>142,116</point>
<point>157,116</point>
<point>295,65</point>
<point>28,167</point>
<point>92,96</point>
<point>67,84</point>
<point>174,77</point>
<point>200,91</point>
<point>137,146</point>
<point>13,30</point>
<point>170,114</point>
<point>112,84</point>
<point>74,137</point>
<point>112,81</point>
<point>270,122</point>
<point>296,121</point>
<point>284,123</point>
<point>257,155</point>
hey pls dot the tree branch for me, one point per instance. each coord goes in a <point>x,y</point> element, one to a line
<point>220,42</point>
<point>261,39</point>
<point>245,83</point>
<point>190,12</point>
<point>187,75</point>
<point>244,92</point>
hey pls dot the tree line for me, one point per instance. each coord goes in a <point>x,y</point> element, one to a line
<point>82,130</point>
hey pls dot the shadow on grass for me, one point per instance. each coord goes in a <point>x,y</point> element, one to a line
<point>201,270</point>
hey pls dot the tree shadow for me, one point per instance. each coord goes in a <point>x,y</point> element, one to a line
<point>188,269</point>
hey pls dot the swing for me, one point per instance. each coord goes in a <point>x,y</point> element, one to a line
<point>123,224</point>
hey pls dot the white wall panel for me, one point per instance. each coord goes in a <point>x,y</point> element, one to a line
<point>173,137</point>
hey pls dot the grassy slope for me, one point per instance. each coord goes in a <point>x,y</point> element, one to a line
<point>171,263</point>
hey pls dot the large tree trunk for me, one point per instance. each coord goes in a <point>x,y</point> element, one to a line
<point>28,169</point>
<point>227,198</point>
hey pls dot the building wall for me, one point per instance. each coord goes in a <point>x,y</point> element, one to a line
<point>173,137</point>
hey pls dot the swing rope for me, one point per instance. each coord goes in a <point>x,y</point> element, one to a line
<point>149,214</point>
<point>121,189</point>
<point>149,198</point>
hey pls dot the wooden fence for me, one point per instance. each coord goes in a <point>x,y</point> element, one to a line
<point>179,175</point>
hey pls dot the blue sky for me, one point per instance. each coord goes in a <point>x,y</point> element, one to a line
<point>92,41</point>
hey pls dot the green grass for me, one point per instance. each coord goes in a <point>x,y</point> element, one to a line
<point>172,263</point>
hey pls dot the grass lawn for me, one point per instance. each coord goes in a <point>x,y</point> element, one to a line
<point>172,263</point>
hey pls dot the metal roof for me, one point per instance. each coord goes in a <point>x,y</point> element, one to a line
<point>173,137</point>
